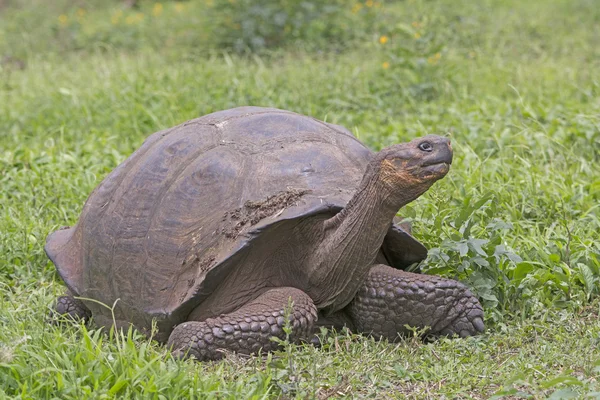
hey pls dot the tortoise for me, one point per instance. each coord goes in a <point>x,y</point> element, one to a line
<point>227,227</point>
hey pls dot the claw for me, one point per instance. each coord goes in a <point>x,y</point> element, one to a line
<point>478,324</point>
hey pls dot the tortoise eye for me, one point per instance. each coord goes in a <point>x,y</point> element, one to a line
<point>426,146</point>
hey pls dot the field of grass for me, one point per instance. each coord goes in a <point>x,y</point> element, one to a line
<point>516,85</point>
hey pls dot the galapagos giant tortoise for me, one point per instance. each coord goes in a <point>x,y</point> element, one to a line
<point>211,229</point>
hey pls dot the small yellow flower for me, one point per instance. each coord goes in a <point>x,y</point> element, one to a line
<point>179,7</point>
<point>210,3</point>
<point>80,15</point>
<point>116,17</point>
<point>434,59</point>
<point>472,54</point>
<point>134,19</point>
<point>356,8</point>
<point>385,65</point>
<point>383,39</point>
<point>369,3</point>
<point>157,9</point>
<point>417,35</point>
<point>63,20</point>
<point>416,24</point>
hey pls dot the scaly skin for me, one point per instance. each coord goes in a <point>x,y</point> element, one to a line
<point>391,298</point>
<point>248,329</point>
<point>388,300</point>
<point>70,307</point>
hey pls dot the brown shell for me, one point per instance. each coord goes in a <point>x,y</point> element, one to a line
<point>159,230</point>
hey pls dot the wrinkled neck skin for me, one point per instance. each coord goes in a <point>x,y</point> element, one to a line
<point>350,241</point>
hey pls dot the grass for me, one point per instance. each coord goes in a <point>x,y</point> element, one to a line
<point>516,85</point>
<point>528,359</point>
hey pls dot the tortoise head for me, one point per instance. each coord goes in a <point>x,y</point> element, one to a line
<point>352,238</point>
<point>411,168</point>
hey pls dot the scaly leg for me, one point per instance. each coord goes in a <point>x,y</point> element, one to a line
<point>248,329</point>
<point>391,298</point>
<point>70,307</point>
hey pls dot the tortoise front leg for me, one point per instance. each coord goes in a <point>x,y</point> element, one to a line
<point>248,329</point>
<point>391,298</point>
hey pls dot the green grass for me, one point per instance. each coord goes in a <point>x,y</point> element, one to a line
<point>516,85</point>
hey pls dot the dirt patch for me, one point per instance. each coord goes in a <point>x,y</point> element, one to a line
<point>202,265</point>
<point>207,263</point>
<point>254,211</point>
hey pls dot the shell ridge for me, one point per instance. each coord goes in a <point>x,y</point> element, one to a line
<point>161,196</point>
<point>234,117</point>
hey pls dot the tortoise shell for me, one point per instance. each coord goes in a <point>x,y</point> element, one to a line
<point>163,229</point>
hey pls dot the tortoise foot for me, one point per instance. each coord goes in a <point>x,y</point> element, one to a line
<point>247,330</point>
<point>391,299</point>
<point>71,308</point>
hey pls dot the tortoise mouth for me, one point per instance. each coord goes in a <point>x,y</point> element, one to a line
<point>435,170</point>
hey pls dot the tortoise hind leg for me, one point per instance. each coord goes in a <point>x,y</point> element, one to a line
<point>248,329</point>
<point>391,298</point>
<point>70,307</point>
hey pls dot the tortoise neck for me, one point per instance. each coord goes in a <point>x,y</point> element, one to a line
<point>351,240</point>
